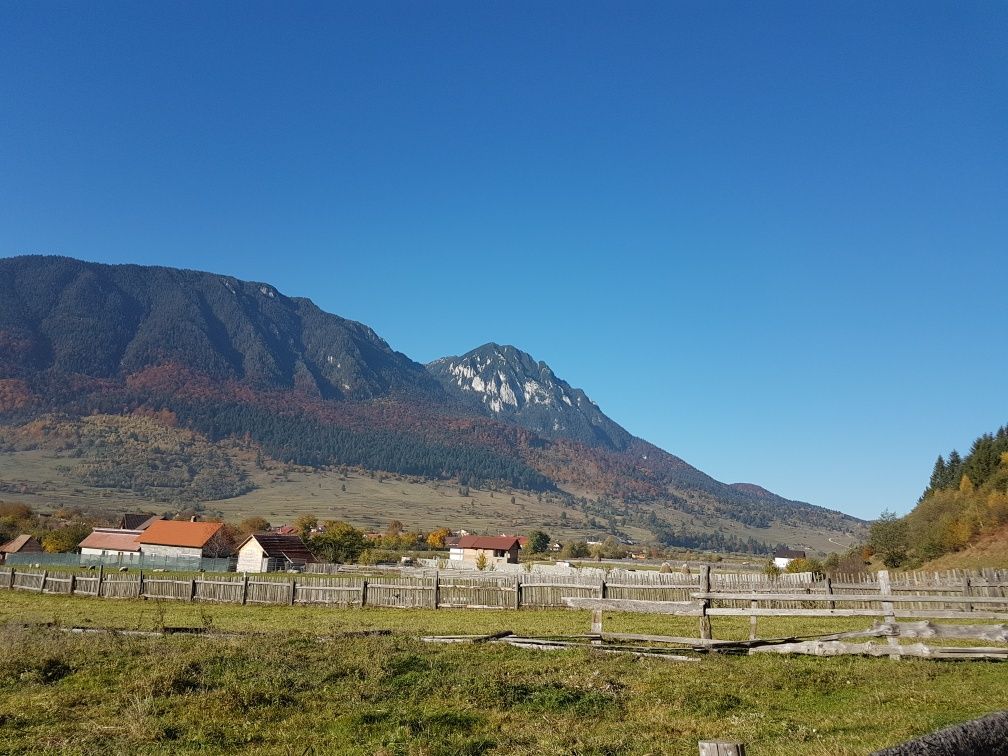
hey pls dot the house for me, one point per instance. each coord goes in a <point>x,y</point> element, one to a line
<point>115,542</point>
<point>23,544</point>
<point>783,557</point>
<point>496,550</point>
<point>266,552</point>
<point>286,530</point>
<point>172,539</point>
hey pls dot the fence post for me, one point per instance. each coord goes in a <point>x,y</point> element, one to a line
<point>244,588</point>
<point>967,590</point>
<point>752,619</point>
<point>888,612</point>
<point>363,592</point>
<point>829,592</point>
<point>292,583</point>
<point>140,585</point>
<point>41,588</point>
<point>437,588</point>
<point>192,588</point>
<point>101,575</point>
<point>13,572</point>
<point>721,748</point>
<point>73,582</point>
<point>705,628</point>
<point>517,590</point>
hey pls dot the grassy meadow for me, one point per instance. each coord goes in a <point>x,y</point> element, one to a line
<point>300,682</point>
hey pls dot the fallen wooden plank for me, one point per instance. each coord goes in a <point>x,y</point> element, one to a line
<point>920,650</point>
<point>939,630</point>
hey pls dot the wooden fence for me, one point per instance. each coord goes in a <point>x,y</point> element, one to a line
<point>920,595</point>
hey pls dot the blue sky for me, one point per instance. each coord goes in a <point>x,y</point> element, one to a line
<point>769,237</point>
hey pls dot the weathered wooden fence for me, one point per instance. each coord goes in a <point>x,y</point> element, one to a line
<point>919,595</point>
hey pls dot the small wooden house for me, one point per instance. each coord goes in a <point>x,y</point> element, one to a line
<point>23,544</point>
<point>268,552</point>
<point>495,550</point>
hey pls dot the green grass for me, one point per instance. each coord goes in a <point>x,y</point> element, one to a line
<point>303,689</point>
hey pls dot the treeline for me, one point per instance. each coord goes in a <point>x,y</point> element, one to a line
<point>965,498</point>
<point>304,440</point>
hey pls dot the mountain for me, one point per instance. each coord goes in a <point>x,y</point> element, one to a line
<point>238,362</point>
<point>516,388</point>
<point>109,321</point>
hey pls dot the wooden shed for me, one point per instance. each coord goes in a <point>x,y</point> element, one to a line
<point>268,552</point>
<point>23,544</point>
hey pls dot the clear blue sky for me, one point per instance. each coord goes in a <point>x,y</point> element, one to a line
<point>771,238</point>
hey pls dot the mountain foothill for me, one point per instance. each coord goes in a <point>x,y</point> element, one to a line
<point>225,359</point>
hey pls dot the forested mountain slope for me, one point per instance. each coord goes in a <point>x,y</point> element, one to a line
<point>230,359</point>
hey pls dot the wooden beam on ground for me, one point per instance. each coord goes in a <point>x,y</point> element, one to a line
<point>839,648</point>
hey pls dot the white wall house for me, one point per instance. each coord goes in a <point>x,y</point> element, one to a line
<point>115,542</point>
<point>179,540</point>
<point>783,557</point>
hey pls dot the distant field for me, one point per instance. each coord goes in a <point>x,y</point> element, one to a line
<point>282,495</point>
<point>306,687</point>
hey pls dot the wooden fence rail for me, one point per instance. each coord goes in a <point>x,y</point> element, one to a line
<point>948,595</point>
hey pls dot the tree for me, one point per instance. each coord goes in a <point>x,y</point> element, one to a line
<point>538,542</point>
<point>889,537</point>
<point>394,528</point>
<point>339,542</point>
<point>305,524</point>
<point>65,539</point>
<point>481,561</point>
<point>436,538</point>
<point>575,550</point>
<point>251,525</point>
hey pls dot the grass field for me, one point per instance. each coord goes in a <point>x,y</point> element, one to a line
<point>301,685</point>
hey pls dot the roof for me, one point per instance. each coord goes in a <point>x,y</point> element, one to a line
<point>497,543</point>
<point>289,547</point>
<point>783,553</point>
<point>138,520</point>
<point>285,530</point>
<point>111,539</point>
<point>193,535</point>
<point>23,542</point>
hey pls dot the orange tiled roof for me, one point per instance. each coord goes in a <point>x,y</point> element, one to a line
<point>111,540</point>
<point>193,535</point>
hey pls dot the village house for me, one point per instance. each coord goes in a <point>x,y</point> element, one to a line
<point>783,557</point>
<point>111,542</point>
<point>495,549</point>
<point>268,552</point>
<point>119,542</point>
<point>23,544</point>
<point>172,539</point>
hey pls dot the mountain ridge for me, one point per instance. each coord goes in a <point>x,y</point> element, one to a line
<point>234,358</point>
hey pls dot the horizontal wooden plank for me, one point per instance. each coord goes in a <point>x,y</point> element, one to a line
<point>687,608</point>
